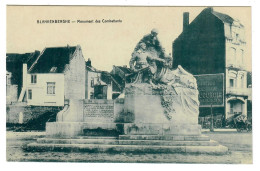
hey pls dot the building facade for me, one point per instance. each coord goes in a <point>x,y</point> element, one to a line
<point>11,89</point>
<point>56,75</point>
<point>214,43</point>
<point>14,73</point>
<point>100,84</point>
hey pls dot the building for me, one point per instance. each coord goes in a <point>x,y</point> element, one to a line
<point>14,73</point>
<point>56,75</point>
<point>214,43</point>
<point>11,89</point>
<point>100,84</point>
<point>122,74</point>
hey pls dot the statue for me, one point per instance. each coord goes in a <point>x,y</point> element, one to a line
<point>152,43</point>
<point>154,76</point>
<point>143,63</point>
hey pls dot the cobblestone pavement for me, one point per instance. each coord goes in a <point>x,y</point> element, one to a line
<point>239,144</point>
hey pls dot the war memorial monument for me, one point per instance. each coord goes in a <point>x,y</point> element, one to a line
<point>157,113</point>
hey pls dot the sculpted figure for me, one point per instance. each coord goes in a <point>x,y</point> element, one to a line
<point>153,45</point>
<point>144,64</point>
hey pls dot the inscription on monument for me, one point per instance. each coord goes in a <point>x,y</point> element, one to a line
<point>98,110</point>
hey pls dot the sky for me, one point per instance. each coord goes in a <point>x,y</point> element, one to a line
<point>106,44</point>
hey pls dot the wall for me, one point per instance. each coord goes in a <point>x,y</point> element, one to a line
<point>91,76</point>
<point>39,90</point>
<point>28,112</point>
<point>236,53</point>
<point>200,49</point>
<point>75,76</point>
<point>240,81</point>
<point>11,93</point>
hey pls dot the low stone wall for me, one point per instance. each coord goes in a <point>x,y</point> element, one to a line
<point>21,113</point>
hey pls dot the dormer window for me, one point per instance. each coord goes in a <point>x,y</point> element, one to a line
<point>33,79</point>
<point>53,69</point>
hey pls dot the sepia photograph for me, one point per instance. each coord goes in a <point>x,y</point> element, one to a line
<point>129,84</point>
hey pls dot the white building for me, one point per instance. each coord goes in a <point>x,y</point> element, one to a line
<point>56,75</point>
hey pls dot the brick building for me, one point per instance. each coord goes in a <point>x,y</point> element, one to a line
<point>214,43</point>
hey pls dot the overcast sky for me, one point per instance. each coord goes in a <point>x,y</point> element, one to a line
<point>106,44</point>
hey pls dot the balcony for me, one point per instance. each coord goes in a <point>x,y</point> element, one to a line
<point>239,91</point>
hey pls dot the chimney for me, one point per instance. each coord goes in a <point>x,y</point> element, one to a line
<point>88,63</point>
<point>24,74</point>
<point>185,20</point>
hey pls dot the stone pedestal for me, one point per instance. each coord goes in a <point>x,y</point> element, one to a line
<point>152,116</point>
<point>88,116</point>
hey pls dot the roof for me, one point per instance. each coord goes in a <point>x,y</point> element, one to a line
<point>125,69</point>
<point>92,69</point>
<point>53,59</point>
<point>118,79</point>
<point>108,78</point>
<point>28,58</point>
<point>223,17</point>
<point>14,64</point>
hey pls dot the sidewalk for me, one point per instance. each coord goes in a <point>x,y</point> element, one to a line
<point>220,130</point>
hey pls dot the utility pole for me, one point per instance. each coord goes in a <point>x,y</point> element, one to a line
<point>212,120</point>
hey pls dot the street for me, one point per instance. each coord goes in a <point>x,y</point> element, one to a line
<point>239,144</point>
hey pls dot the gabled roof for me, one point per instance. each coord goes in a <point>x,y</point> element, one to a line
<point>53,57</point>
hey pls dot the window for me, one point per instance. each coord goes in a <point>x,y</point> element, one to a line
<point>231,57</point>
<point>231,108</point>
<point>33,79</point>
<point>50,88</point>
<point>92,82</point>
<point>237,37</point>
<point>241,56</point>
<point>30,94</point>
<point>242,81</point>
<point>8,80</point>
<point>231,83</point>
<point>91,95</point>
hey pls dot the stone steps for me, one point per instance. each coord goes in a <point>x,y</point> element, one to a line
<point>126,142</point>
<point>164,137</point>
<point>104,148</point>
<point>130,144</point>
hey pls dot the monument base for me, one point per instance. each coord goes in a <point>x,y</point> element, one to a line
<point>131,144</point>
<point>75,129</point>
<point>125,138</point>
<point>162,129</point>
